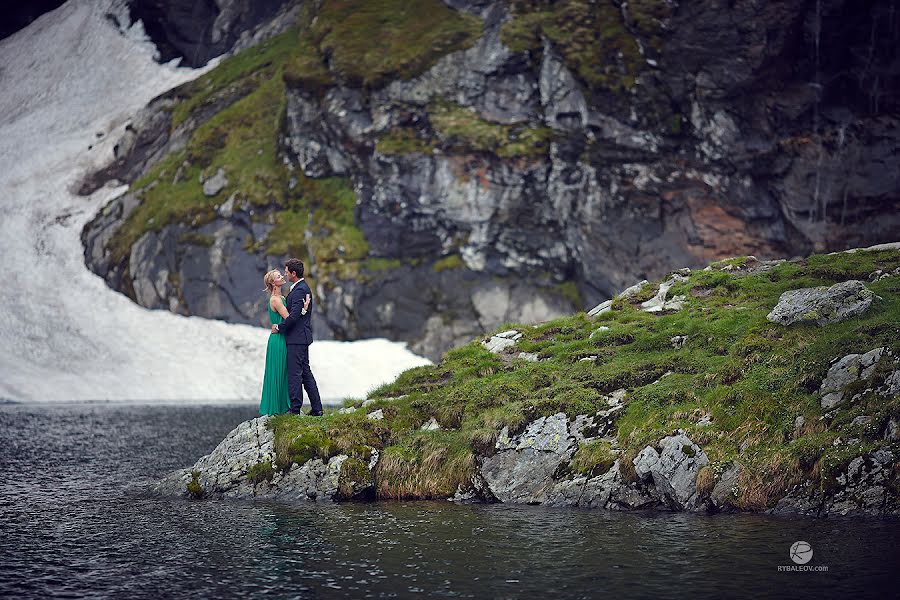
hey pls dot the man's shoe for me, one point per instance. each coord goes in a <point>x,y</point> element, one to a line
<point>315,413</point>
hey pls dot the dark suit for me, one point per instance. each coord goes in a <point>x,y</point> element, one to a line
<point>298,335</point>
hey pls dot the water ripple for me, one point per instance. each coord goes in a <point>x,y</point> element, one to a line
<point>72,525</point>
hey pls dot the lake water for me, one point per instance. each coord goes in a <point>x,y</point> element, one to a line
<point>74,524</point>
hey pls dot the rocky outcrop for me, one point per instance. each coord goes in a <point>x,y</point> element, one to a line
<point>847,370</point>
<point>863,487</point>
<point>711,141</point>
<point>822,305</point>
<point>242,467</point>
<point>522,471</point>
<point>195,32</point>
<point>673,469</point>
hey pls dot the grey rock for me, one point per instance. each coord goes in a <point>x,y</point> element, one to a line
<point>845,371</point>
<point>633,290</point>
<point>529,357</point>
<point>861,420</point>
<point>659,303</point>
<point>678,341</point>
<point>501,341</point>
<point>822,305</point>
<point>603,307</point>
<point>431,425</point>
<point>599,330</point>
<point>724,491</point>
<point>864,488</point>
<point>673,469</point>
<point>223,472</point>
<point>892,432</point>
<point>215,184</point>
<point>376,415</point>
<point>522,469</point>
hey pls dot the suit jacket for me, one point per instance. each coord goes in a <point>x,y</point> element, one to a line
<point>297,328</point>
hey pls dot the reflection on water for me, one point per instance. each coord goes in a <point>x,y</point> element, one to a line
<point>73,523</point>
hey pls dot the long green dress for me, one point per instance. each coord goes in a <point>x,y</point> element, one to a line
<point>275,396</point>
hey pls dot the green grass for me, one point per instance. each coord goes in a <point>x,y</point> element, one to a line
<point>593,38</point>
<point>461,130</point>
<point>263,471</point>
<point>453,261</point>
<point>752,377</point>
<point>371,42</point>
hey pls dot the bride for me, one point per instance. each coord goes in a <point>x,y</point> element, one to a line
<point>275,396</point>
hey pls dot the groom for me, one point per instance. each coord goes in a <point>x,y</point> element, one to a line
<point>297,331</point>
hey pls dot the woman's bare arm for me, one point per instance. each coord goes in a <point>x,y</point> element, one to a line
<point>278,306</point>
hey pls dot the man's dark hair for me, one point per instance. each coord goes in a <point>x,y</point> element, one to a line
<point>295,266</point>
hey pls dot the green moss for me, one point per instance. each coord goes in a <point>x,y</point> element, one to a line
<point>262,471</point>
<point>382,264</point>
<point>194,489</point>
<point>235,76</point>
<point>569,291</point>
<point>463,130</point>
<point>354,475</point>
<point>593,37</point>
<point>405,140</point>
<point>593,458</point>
<point>453,261</point>
<point>369,42</point>
<point>750,376</point>
<point>196,239</point>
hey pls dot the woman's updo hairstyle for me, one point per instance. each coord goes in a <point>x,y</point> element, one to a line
<point>269,280</point>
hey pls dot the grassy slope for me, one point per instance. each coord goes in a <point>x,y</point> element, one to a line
<point>751,376</point>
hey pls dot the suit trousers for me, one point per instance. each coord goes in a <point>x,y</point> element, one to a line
<point>300,377</point>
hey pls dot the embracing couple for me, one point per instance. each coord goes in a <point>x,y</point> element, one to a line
<point>287,355</point>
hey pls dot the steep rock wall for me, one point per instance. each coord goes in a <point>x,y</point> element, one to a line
<point>564,152</point>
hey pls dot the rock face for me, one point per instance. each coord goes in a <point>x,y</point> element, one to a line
<point>822,305</point>
<point>711,141</point>
<point>673,470</point>
<point>522,469</point>
<point>845,371</point>
<point>195,32</point>
<point>533,467</point>
<point>862,489</point>
<point>224,472</point>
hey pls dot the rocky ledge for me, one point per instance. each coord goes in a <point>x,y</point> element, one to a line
<point>760,386</point>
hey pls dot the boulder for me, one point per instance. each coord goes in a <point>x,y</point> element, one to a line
<point>215,184</point>
<point>845,371</point>
<point>633,290</point>
<point>522,469</point>
<point>223,472</point>
<point>673,470</point>
<point>501,341</point>
<point>723,492</point>
<point>822,305</point>
<point>658,303</point>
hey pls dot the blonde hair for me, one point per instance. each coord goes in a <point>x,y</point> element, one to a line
<point>269,280</point>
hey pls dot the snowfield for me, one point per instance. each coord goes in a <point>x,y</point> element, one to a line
<point>64,335</point>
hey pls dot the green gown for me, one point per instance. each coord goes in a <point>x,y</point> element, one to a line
<point>275,396</point>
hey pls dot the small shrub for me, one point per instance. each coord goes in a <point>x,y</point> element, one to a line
<point>593,458</point>
<point>194,489</point>
<point>261,471</point>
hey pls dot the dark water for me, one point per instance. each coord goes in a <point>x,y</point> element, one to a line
<point>73,524</point>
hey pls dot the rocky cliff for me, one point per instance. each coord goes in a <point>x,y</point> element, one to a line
<point>750,385</point>
<point>445,168</point>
